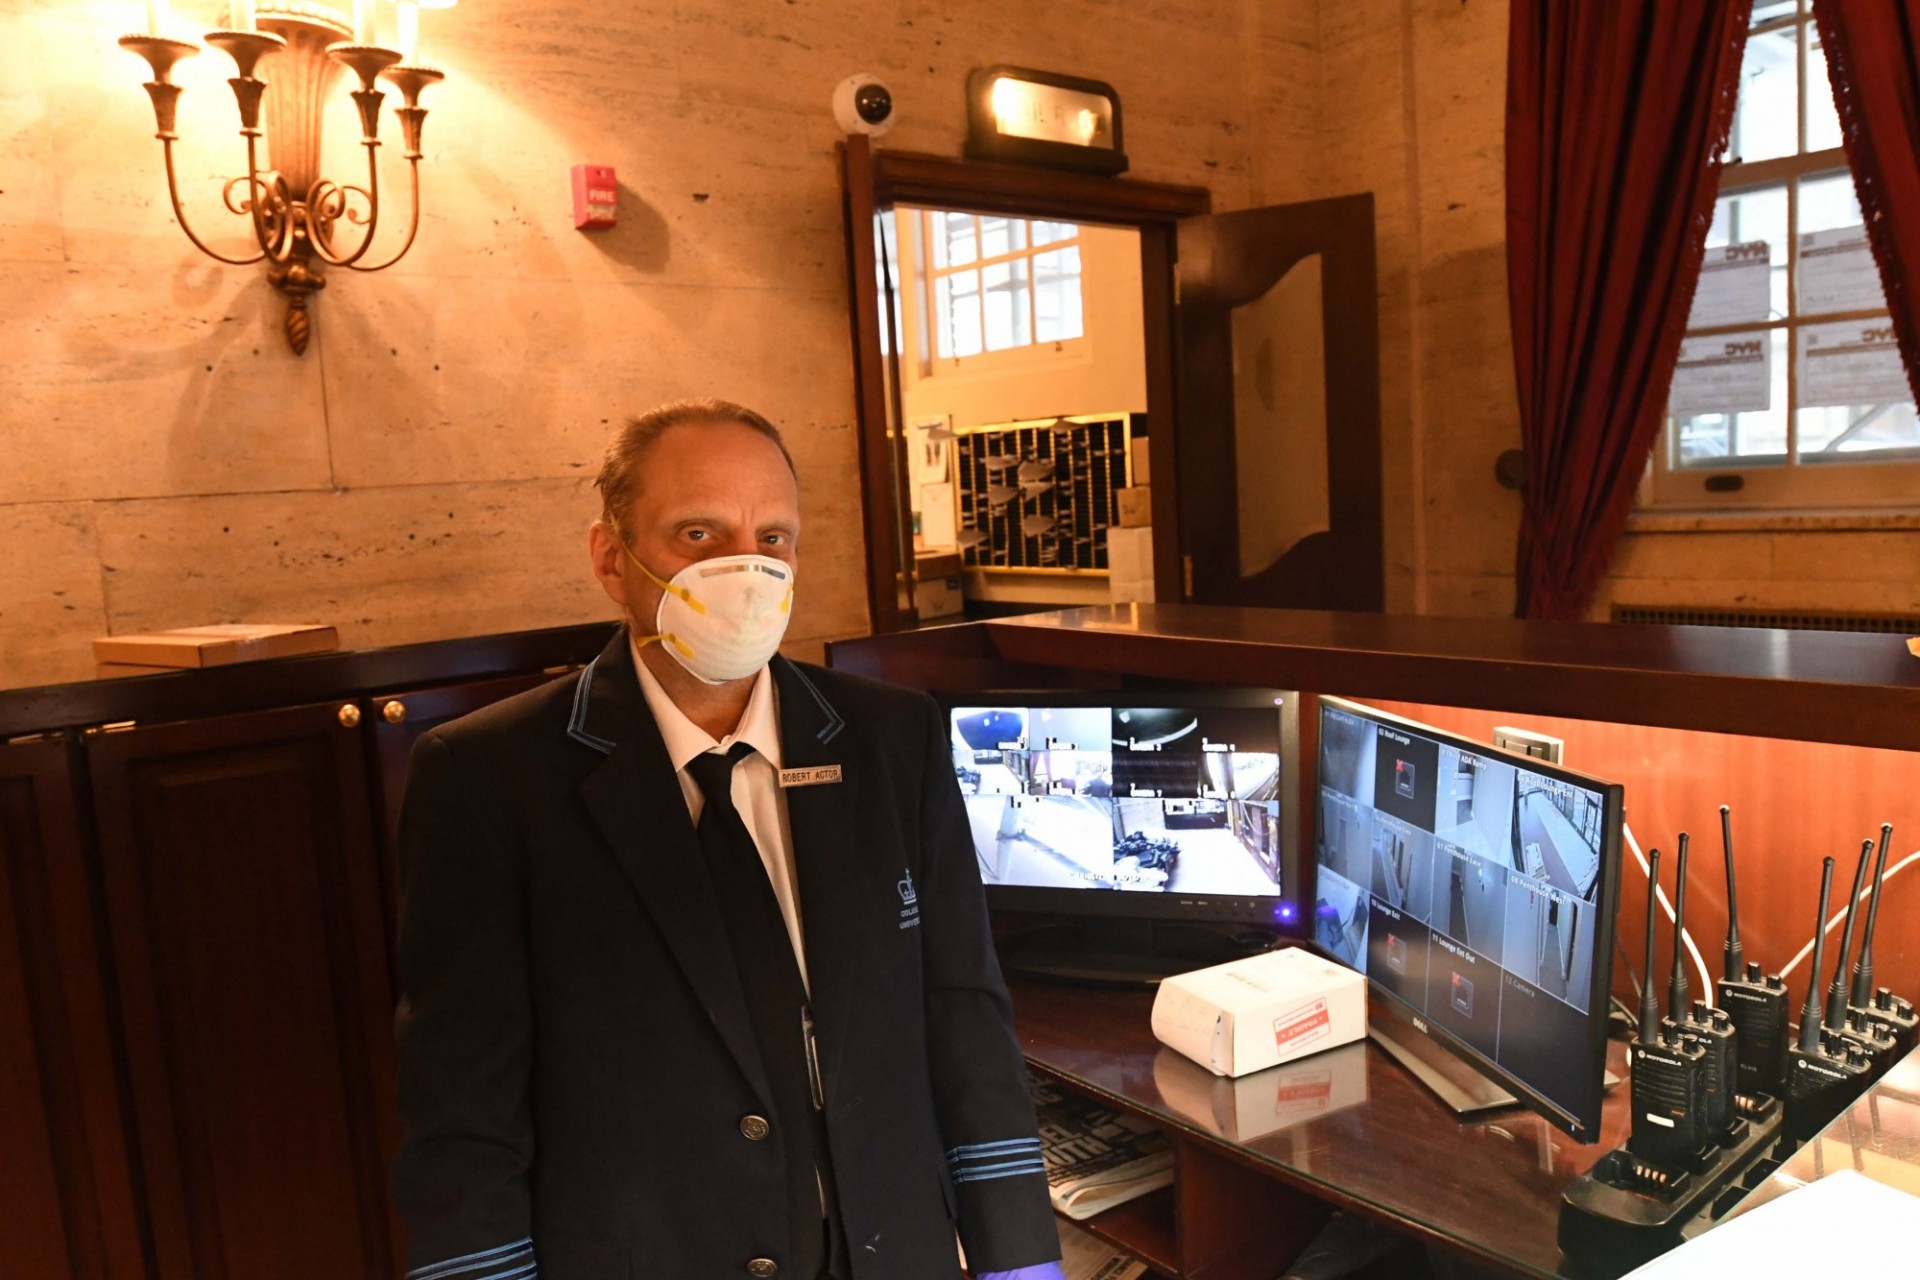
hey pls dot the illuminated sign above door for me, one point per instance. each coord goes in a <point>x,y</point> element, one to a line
<point>1039,118</point>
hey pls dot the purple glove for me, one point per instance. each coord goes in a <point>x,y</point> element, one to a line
<point>1044,1271</point>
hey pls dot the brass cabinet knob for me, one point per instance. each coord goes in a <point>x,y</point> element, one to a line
<point>394,712</point>
<point>350,716</point>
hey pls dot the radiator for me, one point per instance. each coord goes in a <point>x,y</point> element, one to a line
<point>1784,619</point>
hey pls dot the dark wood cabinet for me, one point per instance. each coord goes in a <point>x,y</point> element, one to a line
<point>398,720</point>
<point>66,1200</point>
<point>243,902</point>
<point>196,979</point>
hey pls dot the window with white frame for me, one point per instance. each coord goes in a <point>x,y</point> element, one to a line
<point>998,283</point>
<point>1789,377</point>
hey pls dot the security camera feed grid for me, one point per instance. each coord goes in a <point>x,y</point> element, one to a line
<point>1150,799</point>
<point>1465,885</point>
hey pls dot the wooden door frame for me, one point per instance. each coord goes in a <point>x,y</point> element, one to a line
<point>873,180</point>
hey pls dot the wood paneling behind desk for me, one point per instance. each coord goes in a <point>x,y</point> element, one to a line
<point>1793,804</point>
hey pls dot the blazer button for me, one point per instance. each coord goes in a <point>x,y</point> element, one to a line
<point>762,1268</point>
<point>754,1129</point>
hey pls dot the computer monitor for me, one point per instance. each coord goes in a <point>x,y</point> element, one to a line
<point>1476,889</point>
<point>1178,806</point>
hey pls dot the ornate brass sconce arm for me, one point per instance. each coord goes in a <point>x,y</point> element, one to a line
<point>412,82</point>
<point>162,54</point>
<point>294,211</point>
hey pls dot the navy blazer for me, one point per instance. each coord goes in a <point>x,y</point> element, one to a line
<point>576,1059</point>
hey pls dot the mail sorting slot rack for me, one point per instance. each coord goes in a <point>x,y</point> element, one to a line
<point>1040,494</point>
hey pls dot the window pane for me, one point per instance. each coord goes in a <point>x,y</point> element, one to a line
<point>1853,391</point>
<point>966,327</point>
<point>958,240</point>
<point>1718,234</point>
<point>1823,120</point>
<point>1766,9</point>
<point>1837,271</point>
<point>943,316</point>
<point>1005,316</point>
<point>1048,232</point>
<point>957,301</point>
<point>1768,124</point>
<point>1747,218</point>
<point>1001,236</point>
<point>1843,434</point>
<point>1729,400</point>
<point>1056,295</point>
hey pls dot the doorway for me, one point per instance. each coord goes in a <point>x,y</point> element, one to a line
<point>1022,375</point>
<point>1046,421</point>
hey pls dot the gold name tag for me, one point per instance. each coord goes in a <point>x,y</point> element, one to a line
<point>813,777</point>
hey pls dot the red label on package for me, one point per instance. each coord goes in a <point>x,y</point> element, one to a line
<point>1304,1025</point>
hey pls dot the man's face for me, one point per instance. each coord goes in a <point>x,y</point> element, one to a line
<point>705,491</point>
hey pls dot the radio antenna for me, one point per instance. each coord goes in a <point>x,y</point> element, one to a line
<point>1677,984</point>
<point>1863,969</point>
<point>1735,963</point>
<point>1649,1002</point>
<point>1837,990</point>
<point>1810,1011</point>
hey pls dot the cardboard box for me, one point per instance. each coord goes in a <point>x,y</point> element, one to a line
<point>1141,474</point>
<point>216,646</point>
<point>1130,565</point>
<point>928,565</point>
<point>936,585</point>
<point>938,598</point>
<point>1256,1013</point>
<point>1136,507</point>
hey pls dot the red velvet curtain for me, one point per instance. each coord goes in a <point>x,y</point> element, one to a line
<point>1617,112</point>
<point>1873,58</point>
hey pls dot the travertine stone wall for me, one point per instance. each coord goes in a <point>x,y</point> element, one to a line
<point>1413,96</point>
<point>424,470</point>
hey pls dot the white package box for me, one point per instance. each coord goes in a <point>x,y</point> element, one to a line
<point>1129,564</point>
<point>1255,1013</point>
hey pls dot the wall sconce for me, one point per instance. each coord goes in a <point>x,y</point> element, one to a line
<point>294,211</point>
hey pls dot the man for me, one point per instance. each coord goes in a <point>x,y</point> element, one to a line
<point>697,974</point>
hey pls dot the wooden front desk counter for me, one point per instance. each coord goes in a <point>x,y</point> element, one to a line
<point>1262,1161</point>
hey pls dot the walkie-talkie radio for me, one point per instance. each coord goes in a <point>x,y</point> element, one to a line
<point>1875,1039</point>
<point>1823,1069</point>
<point>1881,1006</point>
<point>1712,1027</point>
<point>1755,1001</point>
<point>1669,1072</point>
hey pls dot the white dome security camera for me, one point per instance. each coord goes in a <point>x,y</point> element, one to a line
<point>861,104</point>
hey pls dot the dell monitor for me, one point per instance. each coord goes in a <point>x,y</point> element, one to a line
<point>1137,808</point>
<point>1476,891</point>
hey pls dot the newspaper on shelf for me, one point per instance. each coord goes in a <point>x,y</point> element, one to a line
<point>1084,1257</point>
<point>1097,1157</point>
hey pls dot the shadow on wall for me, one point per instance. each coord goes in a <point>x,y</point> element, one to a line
<point>639,240</point>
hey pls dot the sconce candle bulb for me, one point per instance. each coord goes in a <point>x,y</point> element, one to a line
<point>158,16</point>
<point>242,17</point>
<point>407,15</point>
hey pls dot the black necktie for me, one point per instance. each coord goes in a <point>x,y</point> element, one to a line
<point>776,1003</point>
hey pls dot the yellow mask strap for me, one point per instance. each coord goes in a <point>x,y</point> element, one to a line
<point>668,587</point>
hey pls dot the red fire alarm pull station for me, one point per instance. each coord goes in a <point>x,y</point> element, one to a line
<point>596,197</point>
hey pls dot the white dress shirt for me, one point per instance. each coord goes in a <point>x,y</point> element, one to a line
<point>756,782</point>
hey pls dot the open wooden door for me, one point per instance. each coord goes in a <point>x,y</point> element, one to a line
<point>1279,407</point>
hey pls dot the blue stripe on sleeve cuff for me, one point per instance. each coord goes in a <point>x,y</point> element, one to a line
<point>512,1261</point>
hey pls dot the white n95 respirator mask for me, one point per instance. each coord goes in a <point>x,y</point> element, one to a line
<point>723,618</point>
